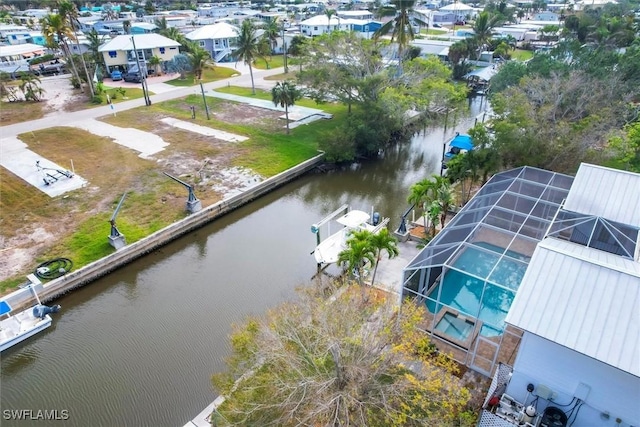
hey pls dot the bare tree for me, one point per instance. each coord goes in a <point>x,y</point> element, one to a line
<point>320,362</point>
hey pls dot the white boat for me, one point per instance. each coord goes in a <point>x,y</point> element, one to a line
<point>329,249</point>
<point>24,324</point>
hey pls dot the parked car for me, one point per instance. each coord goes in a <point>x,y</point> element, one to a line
<point>133,77</point>
<point>116,75</point>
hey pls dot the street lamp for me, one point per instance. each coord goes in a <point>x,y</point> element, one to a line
<point>143,78</point>
<point>284,48</point>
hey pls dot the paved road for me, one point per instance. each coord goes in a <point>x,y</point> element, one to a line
<point>164,94</point>
<point>17,158</point>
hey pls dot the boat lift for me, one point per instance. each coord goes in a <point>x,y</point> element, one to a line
<point>116,239</point>
<point>315,228</point>
<point>51,175</point>
<point>193,204</point>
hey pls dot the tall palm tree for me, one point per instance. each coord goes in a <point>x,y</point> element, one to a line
<point>285,94</point>
<point>383,241</point>
<point>56,33</point>
<point>248,48</point>
<point>399,27</point>
<point>329,13</point>
<point>69,11</point>
<point>95,41</point>
<point>199,59</point>
<point>483,27</point>
<point>359,250</point>
<point>272,33</point>
<point>174,34</point>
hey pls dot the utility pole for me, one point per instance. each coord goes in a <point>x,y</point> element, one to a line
<point>204,99</point>
<point>143,78</point>
<point>284,48</point>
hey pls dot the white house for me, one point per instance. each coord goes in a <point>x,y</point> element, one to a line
<point>217,39</point>
<point>355,14</point>
<point>119,53</point>
<point>319,24</point>
<point>579,307</point>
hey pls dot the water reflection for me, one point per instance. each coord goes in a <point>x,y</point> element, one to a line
<point>138,346</point>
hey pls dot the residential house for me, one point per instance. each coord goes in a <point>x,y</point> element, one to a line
<point>118,53</point>
<point>143,28</point>
<point>319,24</point>
<point>546,16</point>
<point>14,34</point>
<point>541,271</point>
<point>217,39</point>
<point>579,306</point>
<point>14,58</point>
<point>364,15</point>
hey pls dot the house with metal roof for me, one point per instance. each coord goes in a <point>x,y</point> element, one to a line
<point>119,52</point>
<point>541,271</point>
<point>217,39</point>
<point>579,306</point>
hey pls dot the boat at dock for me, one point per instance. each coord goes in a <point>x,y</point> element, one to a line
<point>17,327</point>
<point>328,250</point>
<point>459,144</point>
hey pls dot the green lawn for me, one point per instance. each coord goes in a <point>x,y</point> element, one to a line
<point>432,32</point>
<point>208,75</point>
<point>521,55</point>
<point>269,62</point>
<point>263,94</point>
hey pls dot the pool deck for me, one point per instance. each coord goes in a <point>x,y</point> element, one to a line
<point>389,275</point>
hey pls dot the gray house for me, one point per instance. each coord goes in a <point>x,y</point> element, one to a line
<point>217,39</point>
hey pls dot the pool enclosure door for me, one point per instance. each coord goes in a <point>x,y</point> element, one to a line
<point>483,357</point>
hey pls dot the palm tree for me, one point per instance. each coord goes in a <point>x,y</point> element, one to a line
<point>95,41</point>
<point>272,33</point>
<point>383,241</point>
<point>248,48</point>
<point>56,33</point>
<point>285,94</point>
<point>329,13</point>
<point>443,196</point>
<point>174,34</point>
<point>402,32</point>
<point>199,59</point>
<point>359,250</point>
<point>421,194</point>
<point>69,11</point>
<point>155,62</point>
<point>483,27</point>
<point>29,86</point>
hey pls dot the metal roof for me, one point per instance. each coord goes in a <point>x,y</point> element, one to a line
<point>604,192</point>
<point>220,30</point>
<point>584,299</point>
<point>143,41</point>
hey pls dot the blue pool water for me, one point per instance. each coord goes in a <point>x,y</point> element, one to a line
<point>464,292</point>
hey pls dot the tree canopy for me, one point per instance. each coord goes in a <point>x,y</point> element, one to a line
<point>339,362</point>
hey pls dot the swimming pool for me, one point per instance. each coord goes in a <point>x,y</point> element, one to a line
<point>464,292</point>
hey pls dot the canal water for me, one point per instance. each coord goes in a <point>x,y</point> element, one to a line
<point>138,347</point>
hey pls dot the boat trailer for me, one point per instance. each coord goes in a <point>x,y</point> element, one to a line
<point>52,175</point>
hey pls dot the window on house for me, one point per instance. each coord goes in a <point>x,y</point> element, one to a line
<point>113,53</point>
<point>202,43</point>
<point>315,28</point>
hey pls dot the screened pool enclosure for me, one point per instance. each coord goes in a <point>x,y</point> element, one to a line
<point>470,272</point>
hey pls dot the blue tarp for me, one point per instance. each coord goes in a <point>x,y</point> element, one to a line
<point>463,142</point>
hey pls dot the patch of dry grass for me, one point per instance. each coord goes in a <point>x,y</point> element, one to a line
<point>20,111</point>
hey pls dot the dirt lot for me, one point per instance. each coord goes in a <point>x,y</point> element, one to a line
<point>37,224</point>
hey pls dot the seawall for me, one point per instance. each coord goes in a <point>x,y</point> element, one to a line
<point>49,291</point>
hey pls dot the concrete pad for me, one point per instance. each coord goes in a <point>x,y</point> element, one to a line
<point>146,143</point>
<point>21,161</point>
<point>204,130</point>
